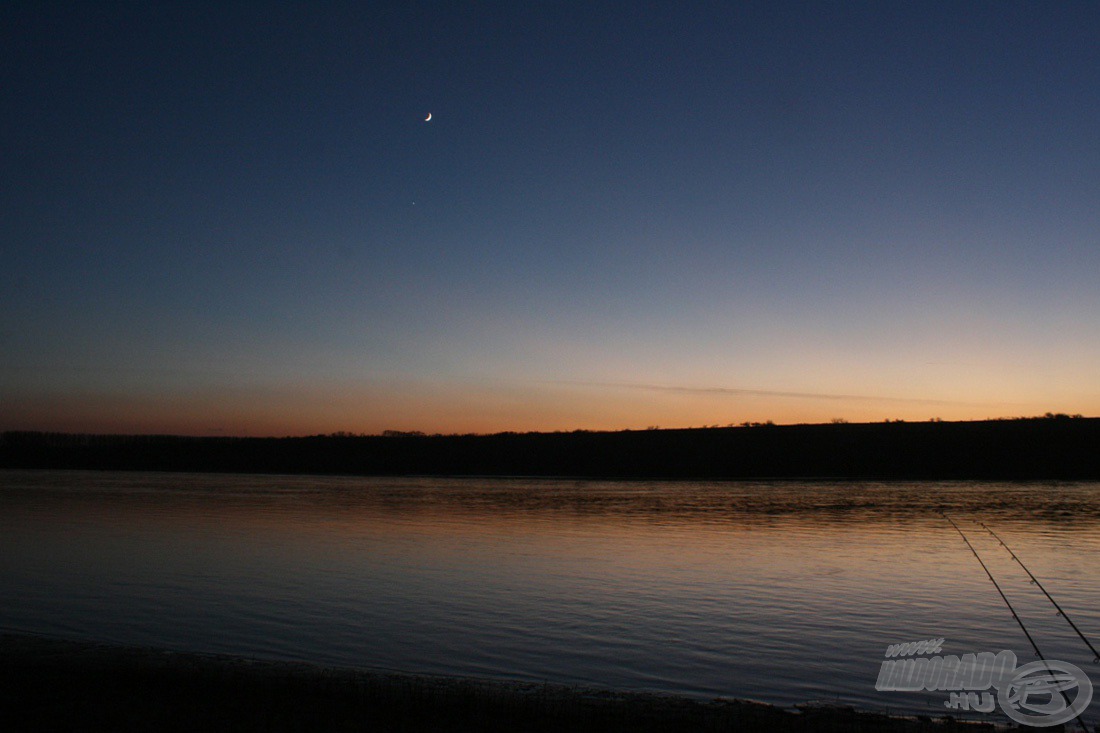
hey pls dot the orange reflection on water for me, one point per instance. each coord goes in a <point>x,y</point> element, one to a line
<point>784,591</point>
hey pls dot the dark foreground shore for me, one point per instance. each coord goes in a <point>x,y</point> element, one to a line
<point>52,685</point>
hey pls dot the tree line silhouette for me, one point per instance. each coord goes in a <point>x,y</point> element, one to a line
<point>1054,447</point>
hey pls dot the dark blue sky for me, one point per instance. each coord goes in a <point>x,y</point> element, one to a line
<point>233,217</point>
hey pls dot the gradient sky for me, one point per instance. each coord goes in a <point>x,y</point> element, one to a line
<point>231,218</point>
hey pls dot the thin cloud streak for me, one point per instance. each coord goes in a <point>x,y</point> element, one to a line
<point>776,393</point>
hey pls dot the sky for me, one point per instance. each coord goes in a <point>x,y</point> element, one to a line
<point>232,218</point>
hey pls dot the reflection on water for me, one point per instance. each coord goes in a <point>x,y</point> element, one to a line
<point>783,592</point>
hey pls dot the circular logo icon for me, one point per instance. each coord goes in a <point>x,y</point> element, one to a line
<point>1040,693</point>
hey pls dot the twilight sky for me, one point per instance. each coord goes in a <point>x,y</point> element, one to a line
<point>232,218</point>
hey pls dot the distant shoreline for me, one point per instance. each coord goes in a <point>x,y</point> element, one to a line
<point>1048,448</point>
<point>51,684</point>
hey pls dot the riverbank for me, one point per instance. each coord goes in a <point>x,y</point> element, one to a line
<point>1054,448</point>
<point>49,684</point>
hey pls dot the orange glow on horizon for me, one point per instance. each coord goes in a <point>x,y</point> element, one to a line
<point>543,407</point>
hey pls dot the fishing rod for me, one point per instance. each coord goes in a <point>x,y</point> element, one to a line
<point>1061,611</point>
<point>1015,615</point>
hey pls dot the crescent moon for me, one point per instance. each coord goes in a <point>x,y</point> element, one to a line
<point>428,118</point>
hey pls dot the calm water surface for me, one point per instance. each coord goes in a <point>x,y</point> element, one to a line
<point>784,592</point>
